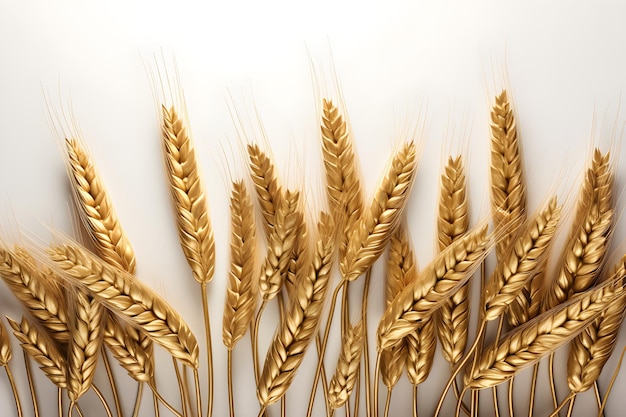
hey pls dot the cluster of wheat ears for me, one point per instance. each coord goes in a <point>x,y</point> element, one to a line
<point>83,307</point>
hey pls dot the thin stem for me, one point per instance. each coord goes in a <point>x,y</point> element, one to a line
<point>496,404</point>
<point>255,341</point>
<point>555,401</point>
<point>186,387</point>
<point>473,411</point>
<point>71,408</point>
<point>571,406</point>
<point>388,402</point>
<point>60,401</point>
<point>162,400</point>
<point>596,389</point>
<point>16,397</point>
<point>511,407</point>
<point>475,398</point>
<point>320,360</point>
<point>196,381</point>
<point>357,397</point>
<point>376,382</point>
<point>262,411</point>
<point>457,412</point>
<point>560,406</point>
<point>155,400</point>
<point>281,317</point>
<point>31,384</point>
<point>533,389</point>
<point>231,401</point>
<point>318,344</point>
<point>366,350</point>
<point>613,379</point>
<point>181,388</point>
<point>462,363</point>
<point>107,367</point>
<point>102,400</point>
<point>138,399</point>
<point>415,401</point>
<point>209,352</point>
<point>79,410</point>
<point>455,389</point>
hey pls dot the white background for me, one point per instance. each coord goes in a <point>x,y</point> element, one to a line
<point>429,65</point>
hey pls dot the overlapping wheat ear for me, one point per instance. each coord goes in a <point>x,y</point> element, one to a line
<point>86,331</point>
<point>586,248</point>
<point>343,185</point>
<point>130,299</point>
<point>281,243</point>
<point>99,217</point>
<point>541,336</point>
<point>241,294</point>
<point>192,214</point>
<point>401,271</point>
<point>37,292</point>
<point>300,324</point>
<point>346,372</point>
<point>39,345</point>
<point>421,345</point>
<point>450,269</point>
<point>591,349</point>
<point>5,346</point>
<point>517,265</point>
<point>452,223</point>
<point>266,184</point>
<point>132,349</point>
<point>300,257</point>
<point>377,224</point>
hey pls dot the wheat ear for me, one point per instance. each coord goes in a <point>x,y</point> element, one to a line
<point>342,383</point>
<point>96,210</point>
<point>266,185</point>
<point>377,224</point>
<point>40,346</point>
<point>590,350</point>
<point>287,218</point>
<point>343,185</point>
<point>5,346</point>
<point>131,299</point>
<point>434,284</point>
<point>401,271</point>
<point>300,257</point>
<point>241,294</point>
<point>300,324</point>
<point>132,349</point>
<point>537,338</point>
<point>192,214</point>
<point>86,331</point>
<point>39,293</point>
<point>421,345</point>
<point>518,263</point>
<point>452,223</point>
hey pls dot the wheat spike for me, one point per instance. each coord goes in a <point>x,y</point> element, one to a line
<point>241,293</point>
<point>300,257</point>
<point>5,346</point>
<point>434,284</point>
<point>132,349</point>
<point>300,324</point>
<point>95,209</point>
<point>40,346</point>
<point>121,293</point>
<point>343,185</point>
<point>401,271</point>
<point>420,347</point>
<point>281,243</point>
<point>192,214</point>
<point>86,331</point>
<point>538,338</point>
<point>591,349</point>
<point>346,372</point>
<point>508,190</point>
<point>38,292</point>
<point>452,223</point>
<point>518,263</point>
<point>266,184</point>
<point>373,230</point>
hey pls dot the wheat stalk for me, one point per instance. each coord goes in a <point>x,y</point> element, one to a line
<point>281,243</point>
<point>266,185</point>
<point>123,294</point>
<point>299,325</point>
<point>434,284</point>
<point>96,209</point>
<point>39,293</point>
<point>343,185</point>
<point>39,345</point>
<point>192,214</point>
<point>541,336</point>
<point>132,349</point>
<point>518,263</point>
<point>377,224</point>
<point>346,372</point>
<point>242,286</point>
<point>452,223</point>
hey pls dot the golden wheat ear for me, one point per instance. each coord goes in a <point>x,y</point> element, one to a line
<point>192,214</point>
<point>346,372</point>
<point>5,346</point>
<point>268,189</point>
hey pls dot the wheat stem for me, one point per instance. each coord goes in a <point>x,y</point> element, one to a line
<point>31,384</point>
<point>162,400</point>
<point>388,402</point>
<point>181,387</point>
<point>563,403</point>
<point>596,391</point>
<point>16,397</point>
<point>111,378</point>
<point>107,409</point>
<point>613,379</point>
<point>209,351</point>
<point>414,395</point>
<point>138,397</point>
<point>376,384</point>
<point>366,350</point>
<point>533,387</point>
